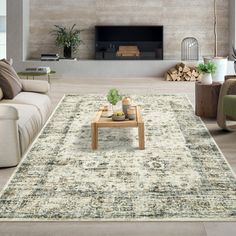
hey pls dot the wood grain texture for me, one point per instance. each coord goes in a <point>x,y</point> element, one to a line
<point>141,136</point>
<point>102,122</point>
<point>207,97</point>
<point>94,135</point>
<point>197,21</point>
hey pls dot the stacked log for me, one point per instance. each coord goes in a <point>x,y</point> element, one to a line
<point>128,51</point>
<point>182,72</point>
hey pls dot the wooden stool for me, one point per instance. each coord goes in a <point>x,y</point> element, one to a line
<point>206,99</point>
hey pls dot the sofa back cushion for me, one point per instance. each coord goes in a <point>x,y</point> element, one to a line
<point>9,81</point>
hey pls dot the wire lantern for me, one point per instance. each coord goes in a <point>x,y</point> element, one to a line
<point>189,49</point>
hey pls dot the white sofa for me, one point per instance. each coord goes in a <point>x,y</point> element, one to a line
<point>21,119</point>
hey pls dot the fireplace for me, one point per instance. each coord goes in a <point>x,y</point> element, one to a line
<point>146,42</point>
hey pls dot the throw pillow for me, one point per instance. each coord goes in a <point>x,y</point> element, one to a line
<point>1,94</point>
<point>9,81</point>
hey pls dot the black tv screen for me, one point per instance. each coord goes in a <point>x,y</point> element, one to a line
<point>129,33</point>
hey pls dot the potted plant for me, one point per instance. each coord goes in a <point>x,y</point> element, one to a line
<point>221,62</point>
<point>67,38</point>
<point>207,70</point>
<point>113,97</point>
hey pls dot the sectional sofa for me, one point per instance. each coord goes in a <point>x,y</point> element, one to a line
<point>21,119</point>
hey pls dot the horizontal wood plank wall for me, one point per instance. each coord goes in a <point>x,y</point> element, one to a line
<point>180,19</point>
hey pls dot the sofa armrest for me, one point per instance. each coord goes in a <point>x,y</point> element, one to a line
<point>9,137</point>
<point>8,112</point>
<point>36,86</point>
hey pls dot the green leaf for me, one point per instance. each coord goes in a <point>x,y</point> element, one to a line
<point>113,96</point>
<point>67,37</point>
<point>208,68</point>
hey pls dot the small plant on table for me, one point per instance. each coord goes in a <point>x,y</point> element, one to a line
<point>113,97</point>
<point>207,70</point>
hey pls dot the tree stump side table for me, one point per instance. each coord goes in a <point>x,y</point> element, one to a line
<point>206,99</point>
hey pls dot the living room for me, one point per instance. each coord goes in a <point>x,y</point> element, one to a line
<point>117,117</point>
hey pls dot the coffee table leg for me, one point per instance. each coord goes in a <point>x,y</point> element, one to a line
<point>141,136</point>
<point>94,130</point>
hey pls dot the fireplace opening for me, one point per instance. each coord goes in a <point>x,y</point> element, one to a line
<point>129,42</point>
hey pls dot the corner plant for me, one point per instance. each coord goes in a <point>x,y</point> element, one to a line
<point>208,68</point>
<point>67,38</point>
<point>113,97</point>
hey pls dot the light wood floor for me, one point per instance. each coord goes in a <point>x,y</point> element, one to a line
<point>226,142</point>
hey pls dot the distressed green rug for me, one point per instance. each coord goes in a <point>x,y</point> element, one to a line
<point>182,175</point>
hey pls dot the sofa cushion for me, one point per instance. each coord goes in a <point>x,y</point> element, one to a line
<point>41,101</point>
<point>29,124</point>
<point>9,80</point>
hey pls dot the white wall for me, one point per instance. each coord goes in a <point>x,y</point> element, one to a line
<point>3,7</point>
<point>2,28</point>
<point>2,45</point>
<point>17,29</point>
<point>17,42</point>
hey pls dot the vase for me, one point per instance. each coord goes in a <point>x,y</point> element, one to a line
<point>125,105</point>
<point>67,52</point>
<point>221,67</point>
<point>206,79</point>
<point>131,113</point>
<point>117,107</point>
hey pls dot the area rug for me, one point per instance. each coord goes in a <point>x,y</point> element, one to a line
<point>181,175</point>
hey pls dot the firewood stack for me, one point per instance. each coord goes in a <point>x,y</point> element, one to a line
<point>128,51</point>
<point>182,72</point>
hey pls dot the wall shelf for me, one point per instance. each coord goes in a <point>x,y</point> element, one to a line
<point>112,69</point>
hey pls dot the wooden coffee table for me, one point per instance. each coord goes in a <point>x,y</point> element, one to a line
<point>103,122</point>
